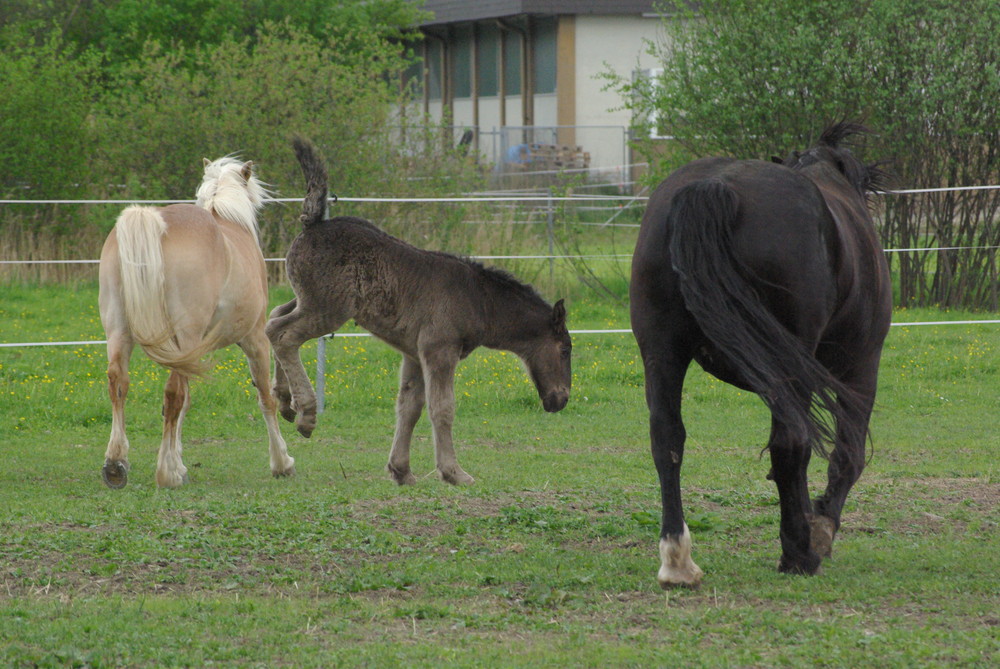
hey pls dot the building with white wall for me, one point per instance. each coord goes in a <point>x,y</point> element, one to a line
<point>518,72</point>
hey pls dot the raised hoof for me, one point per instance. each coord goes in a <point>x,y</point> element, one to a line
<point>401,477</point>
<point>457,477</point>
<point>305,426</point>
<point>287,412</point>
<point>115,474</point>
<point>822,529</point>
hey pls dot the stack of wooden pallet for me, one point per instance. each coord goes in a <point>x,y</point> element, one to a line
<point>556,157</point>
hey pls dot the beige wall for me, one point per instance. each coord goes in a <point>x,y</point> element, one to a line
<point>615,43</point>
<point>605,43</point>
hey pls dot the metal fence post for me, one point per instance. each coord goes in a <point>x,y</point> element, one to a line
<point>551,234</point>
<point>320,373</point>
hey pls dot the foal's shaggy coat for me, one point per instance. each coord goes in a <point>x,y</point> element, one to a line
<point>434,308</point>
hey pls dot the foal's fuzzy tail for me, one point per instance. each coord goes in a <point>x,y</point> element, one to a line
<point>138,231</point>
<point>776,364</point>
<point>314,205</point>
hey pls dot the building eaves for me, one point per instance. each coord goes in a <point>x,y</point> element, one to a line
<point>457,11</point>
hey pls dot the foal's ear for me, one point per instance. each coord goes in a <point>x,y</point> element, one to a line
<point>559,314</point>
<point>247,170</point>
<point>205,162</point>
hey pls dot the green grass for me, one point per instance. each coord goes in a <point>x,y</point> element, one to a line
<point>548,560</point>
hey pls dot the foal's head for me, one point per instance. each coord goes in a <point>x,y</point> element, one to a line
<point>548,361</point>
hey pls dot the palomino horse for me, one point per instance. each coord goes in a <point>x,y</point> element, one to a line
<point>435,308</point>
<point>771,277</point>
<point>182,281</point>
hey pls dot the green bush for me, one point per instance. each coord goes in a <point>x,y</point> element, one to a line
<point>751,79</point>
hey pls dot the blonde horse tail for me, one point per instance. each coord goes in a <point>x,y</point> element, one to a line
<point>139,231</point>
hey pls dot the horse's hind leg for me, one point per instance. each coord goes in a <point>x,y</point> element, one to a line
<point>790,455</point>
<point>664,374</point>
<point>439,381</point>
<point>409,405</point>
<point>115,470</point>
<point>257,350</point>
<point>287,332</point>
<point>846,464</point>
<point>280,388</point>
<point>170,470</point>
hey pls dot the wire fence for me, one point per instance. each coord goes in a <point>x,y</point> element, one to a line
<point>548,199</point>
<point>610,331</point>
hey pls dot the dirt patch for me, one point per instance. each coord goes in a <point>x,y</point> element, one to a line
<point>926,504</point>
<point>343,559</point>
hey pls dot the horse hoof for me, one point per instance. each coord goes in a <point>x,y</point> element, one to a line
<point>808,565</point>
<point>822,529</point>
<point>287,413</point>
<point>457,477</point>
<point>401,477</point>
<point>680,579</point>
<point>305,430</point>
<point>284,474</point>
<point>115,474</point>
<point>172,481</point>
<point>677,569</point>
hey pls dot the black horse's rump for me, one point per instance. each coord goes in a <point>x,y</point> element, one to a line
<point>771,277</point>
<point>759,351</point>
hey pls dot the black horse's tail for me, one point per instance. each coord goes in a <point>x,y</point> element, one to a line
<point>774,362</point>
<point>314,170</point>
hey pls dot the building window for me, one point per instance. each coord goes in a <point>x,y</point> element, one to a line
<point>433,66</point>
<point>511,63</point>
<point>545,55</point>
<point>488,59</point>
<point>413,76</point>
<point>461,62</point>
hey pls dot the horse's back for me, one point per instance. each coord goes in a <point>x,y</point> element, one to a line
<point>400,293</point>
<point>214,280</point>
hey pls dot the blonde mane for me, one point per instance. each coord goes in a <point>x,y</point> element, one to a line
<point>226,190</point>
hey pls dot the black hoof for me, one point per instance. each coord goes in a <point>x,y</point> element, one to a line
<point>115,474</point>
<point>807,565</point>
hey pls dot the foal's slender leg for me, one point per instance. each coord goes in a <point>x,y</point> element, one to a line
<point>439,380</point>
<point>170,470</point>
<point>846,462</point>
<point>115,470</point>
<point>287,334</point>
<point>409,405</point>
<point>280,388</point>
<point>664,373</point>
<point>257,350</point>
<point>789,461</point>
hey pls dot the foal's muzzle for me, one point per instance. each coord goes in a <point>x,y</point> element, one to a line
<point>555,400</point>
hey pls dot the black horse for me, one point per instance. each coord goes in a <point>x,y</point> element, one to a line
<point>770,275</point>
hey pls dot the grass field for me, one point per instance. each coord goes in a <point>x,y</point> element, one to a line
<point>548,560</point>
